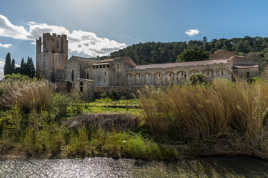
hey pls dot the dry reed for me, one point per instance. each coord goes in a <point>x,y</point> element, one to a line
<point>27,94</point>
<point>220,110</point>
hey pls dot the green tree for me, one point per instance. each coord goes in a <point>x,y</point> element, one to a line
<point>13,66</point>
<point>152,52</point>
<point>8,65</point>
<point>22,67</point>
<point>30,70</point>
<point>205,43</point>
<point>199,78</point>
<point>193,54</point>
<point>265,54</point>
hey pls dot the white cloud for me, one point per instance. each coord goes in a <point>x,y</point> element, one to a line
<point>5,45</point>
<point>37,29</point>
<point>192,32</point>
<point>89,43</point>
<point>80,42</point>
<point>1,69</point>
<point>7,29</point>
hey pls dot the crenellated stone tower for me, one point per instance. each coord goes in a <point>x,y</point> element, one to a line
<point>51,56</point>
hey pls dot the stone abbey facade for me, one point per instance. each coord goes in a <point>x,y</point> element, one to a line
<point>85,74</point>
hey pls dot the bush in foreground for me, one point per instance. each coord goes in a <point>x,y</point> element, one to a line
<point>25,93</point>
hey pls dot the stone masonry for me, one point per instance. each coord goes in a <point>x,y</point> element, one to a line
<point>87,74</point>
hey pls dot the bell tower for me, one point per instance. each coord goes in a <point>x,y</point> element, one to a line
<point>51,56</point>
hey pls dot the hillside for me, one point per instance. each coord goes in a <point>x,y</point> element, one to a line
<point>159,52</point>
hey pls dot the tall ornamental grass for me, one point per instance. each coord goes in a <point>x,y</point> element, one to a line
<point>204,112</point>
<point>27,94</point>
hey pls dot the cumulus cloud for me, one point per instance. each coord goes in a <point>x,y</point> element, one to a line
<point>1,69</point>
<point>192,32</point>
<point>7,29</point>
<point>80,42</point>
<point>5,45</point>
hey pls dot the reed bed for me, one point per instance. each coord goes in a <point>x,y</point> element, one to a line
<point>27,94</point>
<point>233,112</point>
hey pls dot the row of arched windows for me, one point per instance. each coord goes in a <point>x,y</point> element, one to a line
<point>169,77</point>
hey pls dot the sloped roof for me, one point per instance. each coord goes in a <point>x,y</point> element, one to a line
<point>82,59</point>
<point>246,66</point>
<point>181,64</point>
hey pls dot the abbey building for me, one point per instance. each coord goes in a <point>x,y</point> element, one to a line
<point>84,74</point>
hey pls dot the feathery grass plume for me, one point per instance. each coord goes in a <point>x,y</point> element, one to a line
<point>27,94</point>
<point>197,112</point>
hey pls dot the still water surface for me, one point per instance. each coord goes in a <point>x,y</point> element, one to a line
<point>107,167</point>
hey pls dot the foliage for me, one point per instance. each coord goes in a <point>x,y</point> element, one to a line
<point>60,104</point>
<point>157,52</point>
<point>198,78</point>
<point>253,80</point>
<point>193,54</point>
<point>116,94</point>
<point>106,105</point>
<point>27,69</point>
<point>8,65</point>
<point>14,77</point>
<point>178,118</point>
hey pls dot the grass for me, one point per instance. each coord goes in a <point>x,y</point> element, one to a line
<point>27,94</point>
<point>38,131</point>
<point>219,118</point>
<point>107,105</point>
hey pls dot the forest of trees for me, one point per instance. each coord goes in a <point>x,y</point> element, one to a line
<point>157,52</point>
<point>26,68</point>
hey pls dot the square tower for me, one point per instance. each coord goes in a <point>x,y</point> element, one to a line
<point>51,56</point>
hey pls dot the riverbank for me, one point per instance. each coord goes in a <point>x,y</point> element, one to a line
<point>108,167</point>
<point>175,123</point>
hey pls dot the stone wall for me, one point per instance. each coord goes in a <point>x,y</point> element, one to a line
<point>87,74</point>
<point>177,75</point>
<point>51,56</point>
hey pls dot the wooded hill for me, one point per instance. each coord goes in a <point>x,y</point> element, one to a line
<point>159,52</point>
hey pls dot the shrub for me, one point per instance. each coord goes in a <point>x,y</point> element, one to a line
<point>198,78</point>
<point>60,104</point>
<point>16,77</point>
<point>29,141</point>
<point>253,80</point>
<point>136,147</point>
<point>78,144</point>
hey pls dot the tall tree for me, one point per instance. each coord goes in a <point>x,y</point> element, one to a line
<point>22,67</point>
<point>13,66</point>
<point>8,65</point>
<point>205,44</point>
<point>30,70</point>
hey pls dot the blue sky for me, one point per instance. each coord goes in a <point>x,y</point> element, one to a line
<point>113,24</point>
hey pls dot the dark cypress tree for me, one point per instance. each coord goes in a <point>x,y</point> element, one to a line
<point>8,65</point>
<point>13,66</point>
<point>22,67</point>
<point>30,70</point>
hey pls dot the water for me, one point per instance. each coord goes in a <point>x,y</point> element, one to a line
<point>107,167</point>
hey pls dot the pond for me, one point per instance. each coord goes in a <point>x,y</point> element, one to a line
<point>108,167</point>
